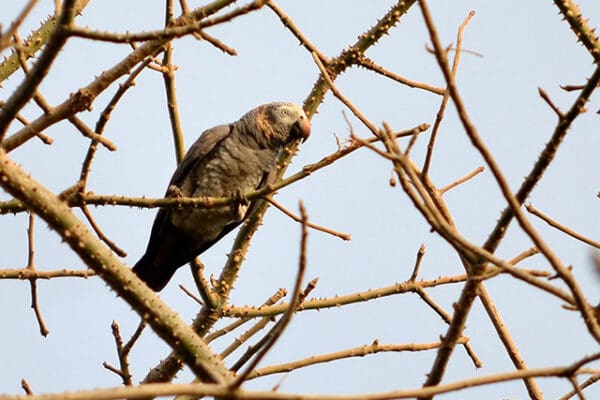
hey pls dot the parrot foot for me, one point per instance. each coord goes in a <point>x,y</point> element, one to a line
<point>239,205</point>
<point>174,191</point>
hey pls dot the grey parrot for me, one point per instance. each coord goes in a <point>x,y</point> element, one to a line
<point>227,160</point>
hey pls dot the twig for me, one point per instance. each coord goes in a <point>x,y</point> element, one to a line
<point>34,42</point>
<point>27,273</point>
<point>543,161</point>
<point>588,382</point>
<point>32,281</point>
<point>361,351</point>
<point>363,296</point>
<point>47,108</point>
<point>216,43</point>
<point>287,212</point>
<point>133,339</point>
<point>372,147</point>
<point>280,326</point>
<point>29,85</point>
<point>448,319</point>
<point>259,325</point>
<point>123,352</point>
<point>357,113</point>
<point>508,342</point>
<point>420,254</point>
<point>46,139</point>
<point>243,10</point>
<point>241,339</point>
<point>278,295</point>
<point>291,26</point>
<point>197,269</point>
<point>547,99</point>
<point>352,54</point>
<point>525,254</point>
<point>555,224</point>
<point>440,114</point>
<point>169,81</point>
<point>41,101</point>
<point>191,295</point>
<point>183,26</point>
<point>459,181</point>
<point>124,371</point>
<point>113,246</point>
<point>371,65</point>
<point>576,387</point>
<point>103,120</point>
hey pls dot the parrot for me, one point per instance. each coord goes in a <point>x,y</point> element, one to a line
<point>225,161</point>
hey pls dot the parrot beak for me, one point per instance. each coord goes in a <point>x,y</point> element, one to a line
<point>301,129</point>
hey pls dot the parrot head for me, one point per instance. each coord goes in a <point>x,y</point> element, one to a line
<point>280,122</point>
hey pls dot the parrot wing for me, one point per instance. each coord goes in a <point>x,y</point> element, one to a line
<point>199,150</point>
<point>169,247</point>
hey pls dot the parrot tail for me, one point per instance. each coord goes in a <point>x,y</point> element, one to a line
<point>155,276</point>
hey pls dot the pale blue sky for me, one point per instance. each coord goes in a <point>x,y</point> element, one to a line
<point>523,47</point>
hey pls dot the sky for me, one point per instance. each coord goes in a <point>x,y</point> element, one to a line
<point>511,52</point>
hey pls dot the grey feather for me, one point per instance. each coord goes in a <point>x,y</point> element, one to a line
<point>226,160</point>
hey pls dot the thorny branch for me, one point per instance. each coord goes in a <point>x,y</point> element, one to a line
<point>280,326</point>
<point>77,197</point>
<point>209,315</point>
<point>480,262</point>
<point>200,390</point>
<point>123,352</point>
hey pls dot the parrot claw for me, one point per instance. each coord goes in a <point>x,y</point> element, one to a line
<point>239,205</point>
<point>174,191</point>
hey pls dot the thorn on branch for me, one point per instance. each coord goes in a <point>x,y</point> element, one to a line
<point>554,108</point>
<point>26,387</point>
<point>571,88</point>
